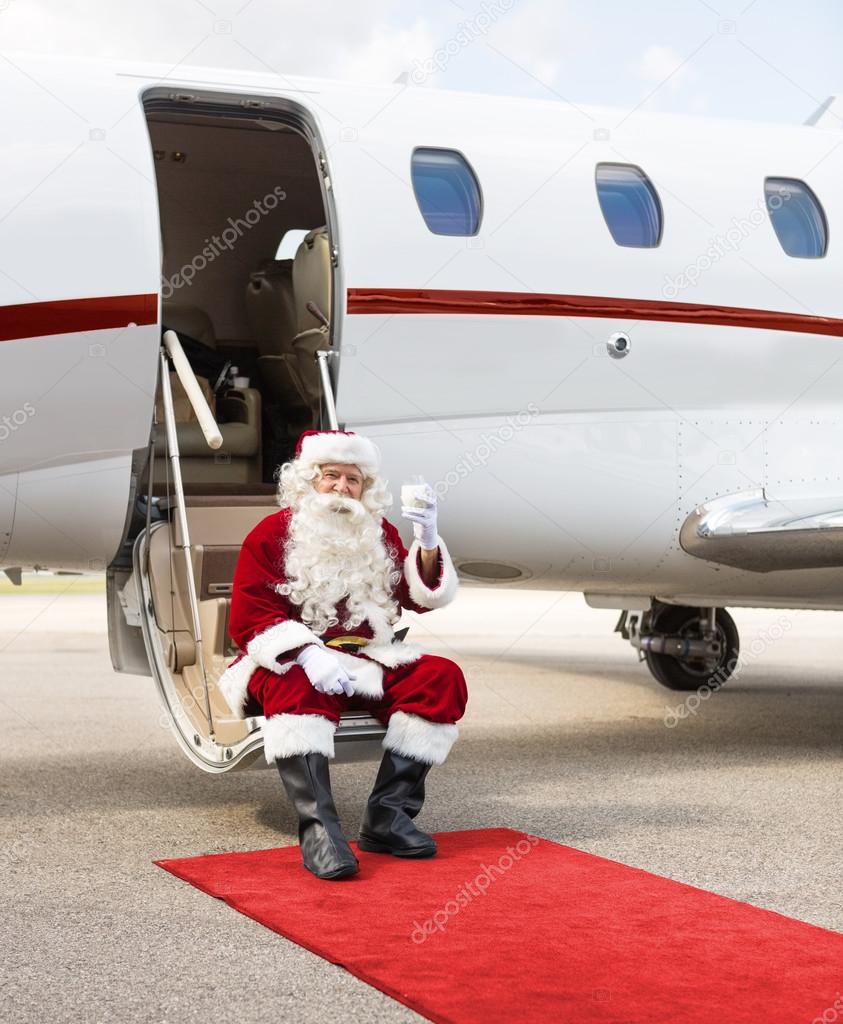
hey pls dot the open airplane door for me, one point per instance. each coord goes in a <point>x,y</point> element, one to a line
<point>169,604</point>
<point>179,595</point>
<point>186,671</point>
<point>182,591</point>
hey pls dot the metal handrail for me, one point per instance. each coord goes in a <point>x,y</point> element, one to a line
<point>327,388</point>
<point>173,454</point>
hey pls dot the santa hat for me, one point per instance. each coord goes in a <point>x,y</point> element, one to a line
<point>319,447</point>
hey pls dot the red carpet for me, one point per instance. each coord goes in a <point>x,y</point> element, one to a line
<point>522,929</point>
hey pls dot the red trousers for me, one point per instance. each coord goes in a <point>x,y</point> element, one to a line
<point>432,688</point>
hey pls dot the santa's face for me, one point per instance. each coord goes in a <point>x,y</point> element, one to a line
<point>340,478</point>
<point>335,554</point>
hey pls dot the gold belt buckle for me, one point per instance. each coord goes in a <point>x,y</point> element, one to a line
<point>347,642</point>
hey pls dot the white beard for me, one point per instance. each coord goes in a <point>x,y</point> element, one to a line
<point>335,551</point>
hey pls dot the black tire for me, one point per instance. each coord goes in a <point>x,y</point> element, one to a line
<point>692,673</point>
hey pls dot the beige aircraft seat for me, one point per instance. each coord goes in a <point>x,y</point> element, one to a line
<point>270,306</point>
<point>312,283</point>
<point>238,412</point>
<point>271,312</point>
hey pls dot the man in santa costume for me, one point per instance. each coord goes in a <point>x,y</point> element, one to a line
<point>317,589</point>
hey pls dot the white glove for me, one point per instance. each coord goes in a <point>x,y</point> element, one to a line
<point>424,520</point>
<point>324,671</point>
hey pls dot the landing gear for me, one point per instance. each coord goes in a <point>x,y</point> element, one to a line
<point>685,648</point>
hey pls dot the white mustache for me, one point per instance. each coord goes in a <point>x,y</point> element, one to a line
<point>338,503</point>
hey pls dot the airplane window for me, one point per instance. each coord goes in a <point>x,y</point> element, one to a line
<point>447,191</point>
<point>290,242</point>
<point>630,206</point>
<point>798,218</point>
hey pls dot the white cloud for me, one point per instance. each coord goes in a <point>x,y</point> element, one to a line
<point>349,41</point>
<point>386,53</point>
<point>662,64</point>
<point>581,51</point>
<point>539,35</point>
<point>80,28</point>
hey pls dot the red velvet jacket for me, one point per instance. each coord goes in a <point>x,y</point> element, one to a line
<point>268,629</point>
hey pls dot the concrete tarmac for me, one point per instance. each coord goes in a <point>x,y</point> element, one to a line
<point>566,736</point>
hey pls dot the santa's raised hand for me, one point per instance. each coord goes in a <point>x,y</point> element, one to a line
<point>424,519</point>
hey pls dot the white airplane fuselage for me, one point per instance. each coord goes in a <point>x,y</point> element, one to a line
<point>480,362</point>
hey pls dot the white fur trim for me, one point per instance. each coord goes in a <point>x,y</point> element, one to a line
<point>233,683</point>
<point>377,619</point>
<point>420,592</point>
<point>418,738</point>
<point>284,636</point>
<point>393,655</point>
<point>288,735</point>
<point>381,648</point>
<point>354,450</point>
<point>369,681</point>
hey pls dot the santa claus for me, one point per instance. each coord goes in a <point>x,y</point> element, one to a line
<point>317,589</point>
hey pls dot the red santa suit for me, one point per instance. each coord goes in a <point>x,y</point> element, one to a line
<point>420,697</point>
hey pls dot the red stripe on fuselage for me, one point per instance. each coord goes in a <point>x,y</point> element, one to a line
<point>68,316</point>
<point>450,302</point>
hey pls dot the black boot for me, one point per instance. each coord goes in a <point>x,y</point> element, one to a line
<point>397,797</point>
<point>324,848</point>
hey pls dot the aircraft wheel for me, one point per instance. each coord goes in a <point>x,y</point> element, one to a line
<point>693,673</point>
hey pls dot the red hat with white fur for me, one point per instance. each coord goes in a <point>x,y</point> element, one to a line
<point>319,447</point>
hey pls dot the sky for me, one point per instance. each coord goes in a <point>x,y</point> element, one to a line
<point>772,60</point>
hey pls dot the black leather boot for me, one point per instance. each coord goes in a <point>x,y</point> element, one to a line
<point>397,797</point>
<point>324,848</point>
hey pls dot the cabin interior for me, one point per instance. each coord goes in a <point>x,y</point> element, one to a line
<point>232,186</point>
<point>232,190</point>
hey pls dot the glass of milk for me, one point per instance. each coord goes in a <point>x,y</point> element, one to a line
<point>413,492</point>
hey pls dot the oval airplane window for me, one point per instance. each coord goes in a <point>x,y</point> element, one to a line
<point>447,191</point>
<point>630,205</point>
<point>797,217</point>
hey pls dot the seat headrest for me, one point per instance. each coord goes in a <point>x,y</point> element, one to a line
<point>312,277</point>
<point>310,238</point>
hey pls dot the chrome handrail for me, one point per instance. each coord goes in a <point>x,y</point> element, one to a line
<point>327,388</point>
<point>173,455</point>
